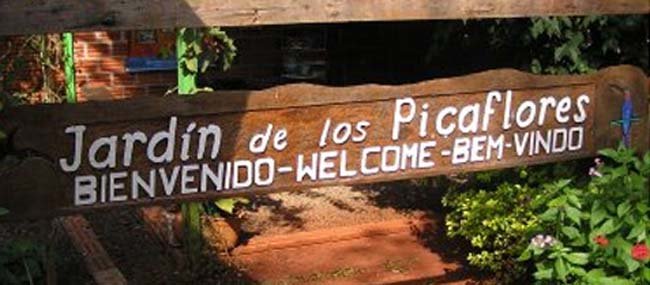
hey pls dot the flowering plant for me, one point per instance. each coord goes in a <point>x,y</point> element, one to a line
<point>599,232</point>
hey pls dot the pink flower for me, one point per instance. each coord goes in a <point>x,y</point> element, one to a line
<point>542,241</point>
<point>640,252</point>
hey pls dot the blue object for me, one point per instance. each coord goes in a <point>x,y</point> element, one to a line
<point>627,114</point>
<point>627,117</point>
<point>144,64</point>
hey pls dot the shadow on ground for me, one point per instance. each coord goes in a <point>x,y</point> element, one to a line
<point>144,259</point>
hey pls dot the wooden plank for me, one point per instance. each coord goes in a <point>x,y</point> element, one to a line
<point>98,262</point>
<point>162,229</point>
<point>314,136</point>
<point>54,16</point>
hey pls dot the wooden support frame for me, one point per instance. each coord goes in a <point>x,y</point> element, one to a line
<point>98,262</point>
<point>25,17</point>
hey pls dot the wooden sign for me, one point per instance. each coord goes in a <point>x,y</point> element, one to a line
<point>152,150</point>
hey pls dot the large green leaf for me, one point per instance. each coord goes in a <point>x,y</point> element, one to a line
<point>630,263</point>
<point>227,204</point>
<point>578,258</point>
<point>598,214</point>
<point>560,268</point>
<point>638,231</point>
<point>571,232</point>
<point>646,273</point>
<point>623,208</point>
<point>192,64</point>
<point>614,281</point>
<point>544,274</point>
<point>573,214</point>
<point>609,152</point>
<point>549,215</point>
<point>607,228</point>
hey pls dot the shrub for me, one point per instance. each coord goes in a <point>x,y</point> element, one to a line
<point>597,234</point>
<point>20,263</point>
<point>498,220</point>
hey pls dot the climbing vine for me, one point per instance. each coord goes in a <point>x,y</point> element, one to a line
<point>213,47</point>
<point>31,70</point>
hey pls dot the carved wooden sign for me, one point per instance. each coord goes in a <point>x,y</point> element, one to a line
<point>152,150</point>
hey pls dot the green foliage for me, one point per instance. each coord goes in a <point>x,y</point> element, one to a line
<point>36,52</point>
<point>550,45</point>
<point>202,48</point>
<point>225,205</point>
<point>596,226</point>
<point>20,263</point>
<point>566,45</point>
<point>497,220</point>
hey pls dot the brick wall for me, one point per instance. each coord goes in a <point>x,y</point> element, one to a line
<point>101,73</point>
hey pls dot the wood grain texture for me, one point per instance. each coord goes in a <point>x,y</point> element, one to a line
<point>302,109</point>
<point>54,16</point>
<point>98,262</point>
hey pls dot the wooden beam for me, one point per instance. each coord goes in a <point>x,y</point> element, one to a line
<point>98,262</point>
<point>83,160</point>
<point>54,16</point>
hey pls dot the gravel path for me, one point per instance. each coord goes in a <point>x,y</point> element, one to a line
<point>336,206</point>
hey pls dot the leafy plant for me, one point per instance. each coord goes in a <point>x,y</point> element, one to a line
<point>495,212</point>
<point>494,222</point>
<point>570,45</point>
<point>213,46</point>
<point>20,263</point>
<point>42,54</point>
<point>225,205</point>
<point>597,234</point>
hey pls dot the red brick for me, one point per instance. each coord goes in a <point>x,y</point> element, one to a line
<point>98,50</point>
<point>112,64</point>
<point>117,92</point>
<point>96,80</point>
<point>86,65</point>
<point>84,37</point>
<point>124,79</point>
<point>79,50</point>
<point>111,36</point>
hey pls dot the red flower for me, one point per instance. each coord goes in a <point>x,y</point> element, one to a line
<point>601,240</point>
<point>640,252</point>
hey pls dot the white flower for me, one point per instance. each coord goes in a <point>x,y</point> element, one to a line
<point>543,241</point>
<point>594,172</point>
<point>598,162</point>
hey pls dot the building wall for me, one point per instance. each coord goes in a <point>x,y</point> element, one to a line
<point>101,72</point>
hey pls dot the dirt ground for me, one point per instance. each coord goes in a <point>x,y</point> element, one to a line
<point>143,259</point>
<point>336,206</point>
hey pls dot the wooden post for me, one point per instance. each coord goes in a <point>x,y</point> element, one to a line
<point>187,86</point>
